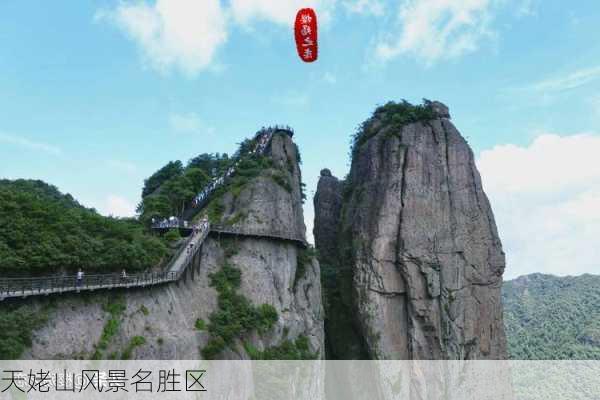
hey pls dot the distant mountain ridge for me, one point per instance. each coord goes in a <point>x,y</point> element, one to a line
<point>550,317</point>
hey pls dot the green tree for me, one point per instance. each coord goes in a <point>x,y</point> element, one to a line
<point>172,169</point>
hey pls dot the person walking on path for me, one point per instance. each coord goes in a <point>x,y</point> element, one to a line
<point>79,279</point>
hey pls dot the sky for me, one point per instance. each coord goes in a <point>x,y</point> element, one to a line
<point>97,95</point>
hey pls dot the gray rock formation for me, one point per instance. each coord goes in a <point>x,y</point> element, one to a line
<point>328,206</point>
<point>266,205</point>
<point>419,245</point>
<point>165,316</point>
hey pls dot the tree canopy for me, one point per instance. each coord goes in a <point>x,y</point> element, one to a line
<point>549,317</point>
<point>170,189</point>
<point>44,231</point>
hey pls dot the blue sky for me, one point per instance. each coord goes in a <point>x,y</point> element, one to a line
<point>96,95</point>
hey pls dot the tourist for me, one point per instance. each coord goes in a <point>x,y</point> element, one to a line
<point>79,278</point>
<point>124,275</point>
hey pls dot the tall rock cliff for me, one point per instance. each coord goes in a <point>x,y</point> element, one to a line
<point>171,319</point>
<point>417,245</point>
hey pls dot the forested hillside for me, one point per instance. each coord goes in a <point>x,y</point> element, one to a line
<point>43,231</point>
<point>170,189</point>
<point>549,317</point>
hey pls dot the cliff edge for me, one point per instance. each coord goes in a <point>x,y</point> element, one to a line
<point>259,276</point>
<point>416,244</point>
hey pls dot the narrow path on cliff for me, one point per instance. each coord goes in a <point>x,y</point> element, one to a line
<point>175,269</point>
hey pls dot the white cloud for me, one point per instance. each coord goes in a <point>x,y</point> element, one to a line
<point>437,29</point>
<point>173,34</point>
<point>279,11</point>
<point>527,8</point>
<point>373,7</point>
<point>118,206</point>
<point>546,199</point>
<point>189,123</point>
<point>569,81</point>
<point>30,144</point>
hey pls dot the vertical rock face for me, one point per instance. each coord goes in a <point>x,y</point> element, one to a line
<point>419,244</point>
<point>166,316</point>
<point>328,206</point>
<point>267,205</point>
<point>341,329</point>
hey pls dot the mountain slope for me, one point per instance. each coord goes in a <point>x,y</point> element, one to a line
<point>242,297</point>
<point>43,231</point>
<point>549,317</point>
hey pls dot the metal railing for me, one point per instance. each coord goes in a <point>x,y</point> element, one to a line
<point>16,287</point>
<point>175,268</point>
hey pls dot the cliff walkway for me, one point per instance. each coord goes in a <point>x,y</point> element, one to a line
<point>177,268</point>
<point>180,264</point>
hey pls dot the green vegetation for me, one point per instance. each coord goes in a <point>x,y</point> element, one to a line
<point>43,231</point>
<point>160,341</point>
<point>236,217</point>
<point>144,310</point>
<point>200,324</point>
<point>115,306</point>
<point>303,192</point>
<point>235,315</point>
<point>548,317</point>
<point>288,350</point>
<point>215,210</point>
<point>172,236</point>
<point>170,189</point>
<point>247,169</point>
<point>135,341</point>
<point>17,323</point>
<point>282,180</point>
<point>304,258</point>
<point>230,247</point>
<point>172,169</point>
<point>393,116</point>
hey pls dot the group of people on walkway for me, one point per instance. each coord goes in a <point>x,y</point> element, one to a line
<point>261,143</point>
<point>262,140</point>
<point>80,275</point>
<point>202,226</point>
<point>171,222</point>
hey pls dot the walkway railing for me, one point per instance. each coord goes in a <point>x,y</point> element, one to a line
<point>17,287</point>
<point>174,270</point>
<point>263,138</point>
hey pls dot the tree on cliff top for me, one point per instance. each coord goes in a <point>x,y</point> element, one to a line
<point>393,115</point>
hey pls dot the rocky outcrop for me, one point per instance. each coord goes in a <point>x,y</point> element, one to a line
<point>328,206</point>
<point>166,316</point>
<point>273,203</point>
<point>419,245</point>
